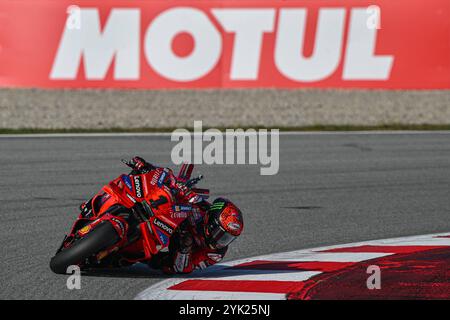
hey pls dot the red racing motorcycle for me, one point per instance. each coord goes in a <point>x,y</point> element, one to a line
<point>131,219</point>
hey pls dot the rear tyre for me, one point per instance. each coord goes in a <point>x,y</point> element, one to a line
<point>101,237</point>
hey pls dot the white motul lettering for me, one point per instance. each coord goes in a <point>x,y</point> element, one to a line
<point>117,44</point>
<point>361,63</point>
<point>249,26</point>
<point>327,49</point>
<point>158,44</point>
<point>119,41</point>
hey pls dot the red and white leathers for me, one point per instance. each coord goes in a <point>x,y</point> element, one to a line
<point>189,250</point>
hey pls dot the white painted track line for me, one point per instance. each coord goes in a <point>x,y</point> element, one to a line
<point>202,295</point>
<point>165,134</point>
<point>325,256</point>
<point>265,275</point>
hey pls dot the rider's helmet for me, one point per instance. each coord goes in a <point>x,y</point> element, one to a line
<point>223,223</point>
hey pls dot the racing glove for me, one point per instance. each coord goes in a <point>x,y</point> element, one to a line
<point>140,165</point>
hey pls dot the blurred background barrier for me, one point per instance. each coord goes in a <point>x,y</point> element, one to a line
<point>282,63</point>
<point>103,109</point>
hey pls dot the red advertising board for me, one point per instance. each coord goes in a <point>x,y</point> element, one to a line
<point>402,44</point>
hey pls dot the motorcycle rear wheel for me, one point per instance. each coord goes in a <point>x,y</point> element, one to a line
<point>100,238</point>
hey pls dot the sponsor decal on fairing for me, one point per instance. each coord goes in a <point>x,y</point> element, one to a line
<point>138,186</point>
<point>126,179</point>
<point>163,226</point>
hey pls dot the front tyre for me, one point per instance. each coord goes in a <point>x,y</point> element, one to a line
<point>101,237</point>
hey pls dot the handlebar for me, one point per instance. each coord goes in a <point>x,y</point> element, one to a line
<point>128,163</point>
<point>193,181</point>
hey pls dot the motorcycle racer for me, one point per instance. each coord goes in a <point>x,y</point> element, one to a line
<point>200,241</point>
<point>203,240</point>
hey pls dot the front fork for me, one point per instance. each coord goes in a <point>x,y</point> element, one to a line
<point>121,226</point>
<point>83,226</point>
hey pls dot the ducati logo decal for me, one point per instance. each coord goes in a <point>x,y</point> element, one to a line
<point>85,230</point>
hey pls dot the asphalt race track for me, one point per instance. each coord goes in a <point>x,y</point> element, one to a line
<point>331,189</point>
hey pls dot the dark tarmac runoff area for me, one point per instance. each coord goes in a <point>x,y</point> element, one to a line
<point>331,188</point>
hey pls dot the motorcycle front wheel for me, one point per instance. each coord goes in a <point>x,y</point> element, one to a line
<point>101,237</point>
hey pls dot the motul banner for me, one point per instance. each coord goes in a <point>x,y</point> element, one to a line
<point>225,44</point>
